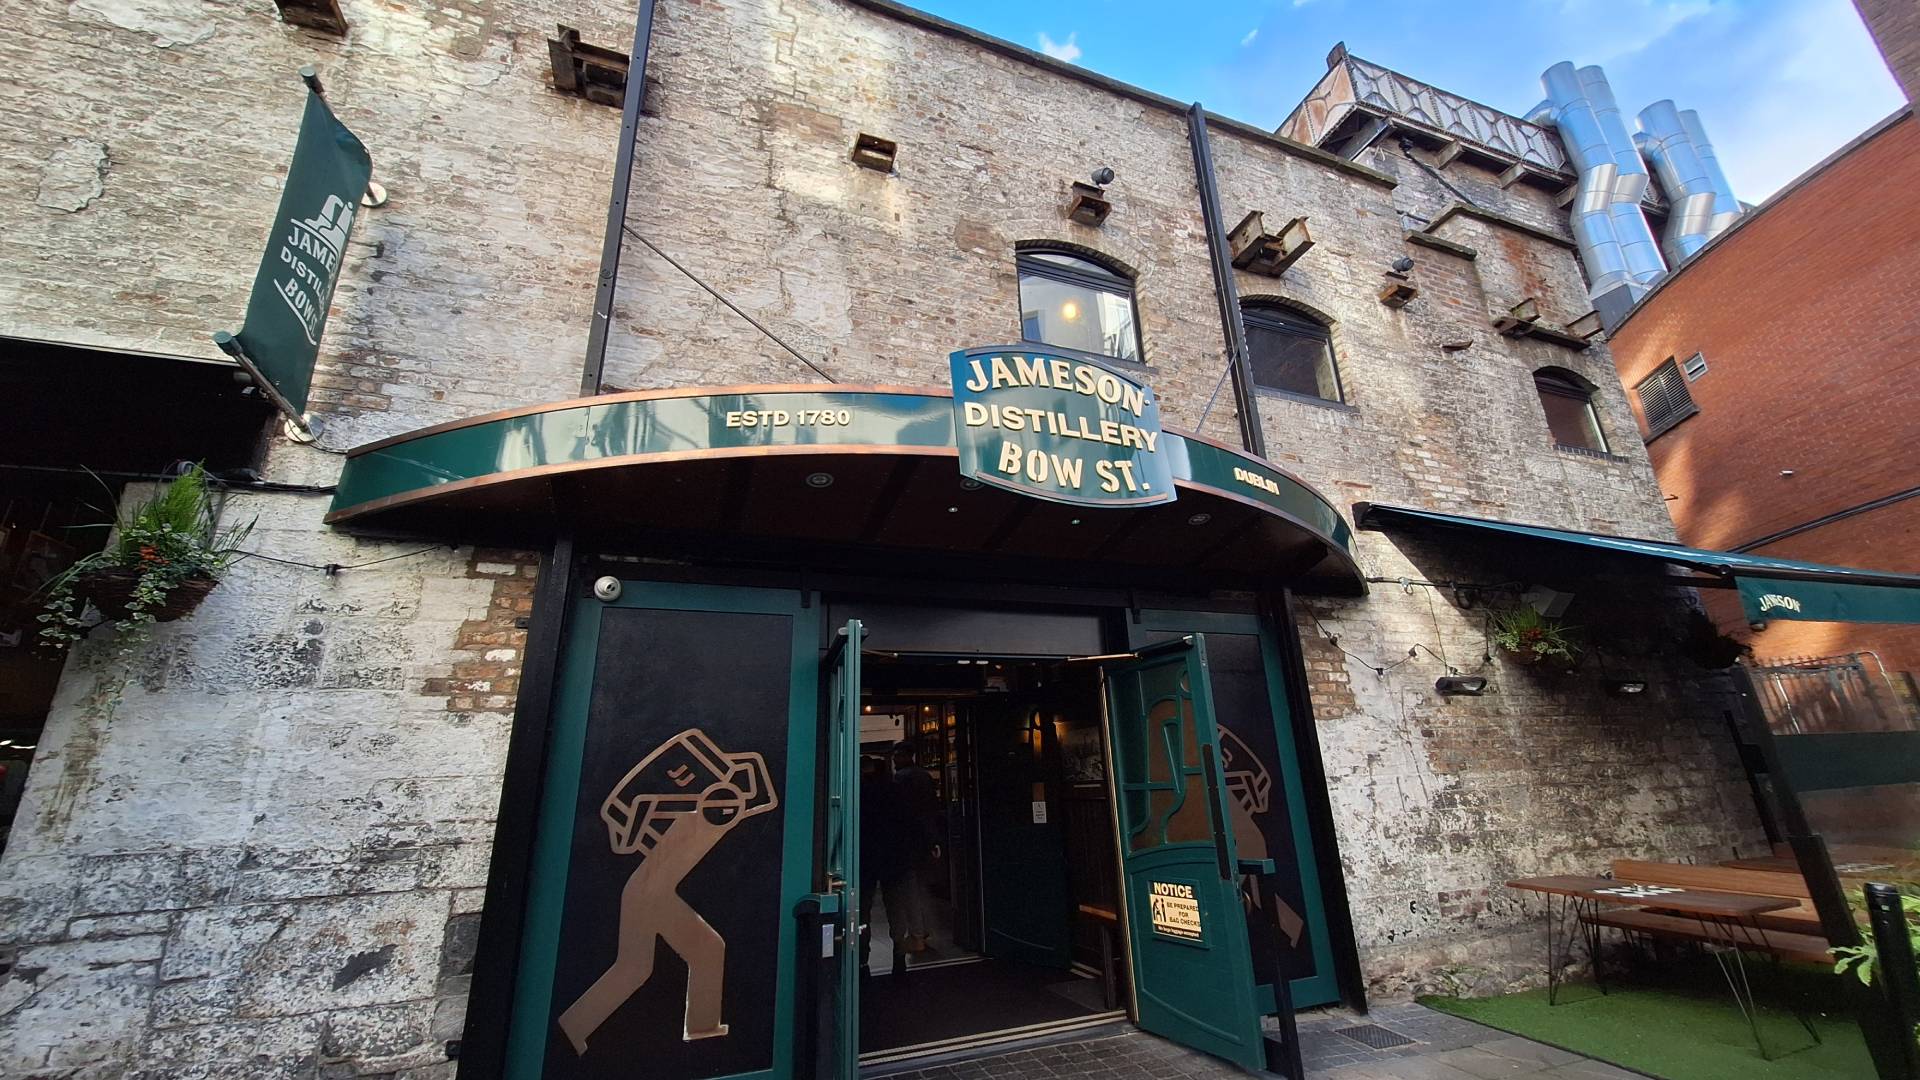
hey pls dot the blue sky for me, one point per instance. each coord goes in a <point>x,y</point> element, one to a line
<point>1779,84</point>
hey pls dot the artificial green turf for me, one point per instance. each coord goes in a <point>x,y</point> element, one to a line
<point>1685,1025</point>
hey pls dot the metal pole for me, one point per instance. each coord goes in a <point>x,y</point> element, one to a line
<point>1899,983</point>
<point>1224,289</point>
<point>610,243</point>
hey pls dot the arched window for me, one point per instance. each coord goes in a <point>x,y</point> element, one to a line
<point>1567,399</point>
<point>1291,352</point>
<point>1071,301</point>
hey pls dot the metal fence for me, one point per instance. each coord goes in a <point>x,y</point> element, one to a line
<point>1852,692</point>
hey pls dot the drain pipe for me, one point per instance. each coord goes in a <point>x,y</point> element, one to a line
<point>1224,289</point>
<point>594,369</point>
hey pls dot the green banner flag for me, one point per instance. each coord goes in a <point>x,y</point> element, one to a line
<point>288,308</point>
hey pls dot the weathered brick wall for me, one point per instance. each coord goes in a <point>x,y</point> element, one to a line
<point>746,180</point>
<point>1809,326</point>
<point>142,147</point>
<point>268,861</point>
<point>1895,25</point>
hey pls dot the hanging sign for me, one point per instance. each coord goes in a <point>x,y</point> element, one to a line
<point>1059,427</point>
<point>1175,910</point>
<point>287,311</point>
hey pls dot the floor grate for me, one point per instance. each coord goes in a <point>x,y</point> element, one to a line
<point>1374,1035</point>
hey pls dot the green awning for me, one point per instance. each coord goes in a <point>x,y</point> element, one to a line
<point>1769,588</point>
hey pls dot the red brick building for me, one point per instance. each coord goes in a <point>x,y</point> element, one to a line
<point>1777,377</point>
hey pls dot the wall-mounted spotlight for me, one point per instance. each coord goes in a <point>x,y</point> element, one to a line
<point>1626,687</point>
<point>1468,685</point>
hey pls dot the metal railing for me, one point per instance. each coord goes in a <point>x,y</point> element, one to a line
<point>1850,692</point>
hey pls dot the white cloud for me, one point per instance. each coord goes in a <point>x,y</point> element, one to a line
<point>1066,51</point>
<point>1251,34</point>
<point>1823,83</point>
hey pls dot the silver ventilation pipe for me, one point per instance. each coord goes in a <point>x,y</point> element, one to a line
<point>1616,245</point>
<point>1725,207</point>
<point>1683,176</point>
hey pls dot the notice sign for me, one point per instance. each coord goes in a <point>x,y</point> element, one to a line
<point>1058,427</point>
<point>1176,911</point>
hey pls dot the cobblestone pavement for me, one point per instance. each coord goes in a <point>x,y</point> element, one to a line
<point>1442,1047</point>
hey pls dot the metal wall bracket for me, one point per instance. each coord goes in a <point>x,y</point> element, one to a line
<point>1260,251</point>
<point>1089,205</point>
<point>589,71</point>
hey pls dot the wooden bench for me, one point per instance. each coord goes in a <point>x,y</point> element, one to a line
<point>1802,918</point>
<point>1807,948</point>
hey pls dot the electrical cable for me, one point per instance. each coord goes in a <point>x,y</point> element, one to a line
<point>735,308</point>
<point>330,569</point>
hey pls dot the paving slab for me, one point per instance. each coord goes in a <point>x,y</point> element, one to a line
<point>1443,1047</point>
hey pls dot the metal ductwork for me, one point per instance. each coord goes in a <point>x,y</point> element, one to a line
<point>1701,204</point>
<point>1616,244</point>
<point>1683,177</point>
<point>1725,207</point>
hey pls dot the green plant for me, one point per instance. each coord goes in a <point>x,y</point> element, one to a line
<point>1532,636</point>
<point>166,541</point>
<point>1863,958</point>
<point>1704,644</point>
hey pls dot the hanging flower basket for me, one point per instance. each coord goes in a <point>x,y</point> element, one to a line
<point>111,590</point>
<point>1531,640</point>
<point>168,553</point>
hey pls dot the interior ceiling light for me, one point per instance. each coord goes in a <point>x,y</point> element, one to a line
<point>1469,685</point>
<point>1070,311</point>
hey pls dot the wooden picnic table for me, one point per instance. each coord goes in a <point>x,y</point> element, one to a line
<point>1698,902</point>
<point>1725,919</point>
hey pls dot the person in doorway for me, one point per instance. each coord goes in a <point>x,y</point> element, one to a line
<point>921,832</point>
<point>883,859</point>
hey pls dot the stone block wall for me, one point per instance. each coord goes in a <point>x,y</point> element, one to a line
<point>268,858</point>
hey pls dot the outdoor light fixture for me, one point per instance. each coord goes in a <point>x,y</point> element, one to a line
<point>1626,687</point>
<point>1469,685</point>
<point>820,480</point>
<point>1200,519</point>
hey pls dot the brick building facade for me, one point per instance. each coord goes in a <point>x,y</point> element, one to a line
<point>270,856</point>
<point>1801,447</point>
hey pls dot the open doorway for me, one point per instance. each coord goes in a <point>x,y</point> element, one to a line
<point>992,897</point>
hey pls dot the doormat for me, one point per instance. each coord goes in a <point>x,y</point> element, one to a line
<point>1374,1035</point>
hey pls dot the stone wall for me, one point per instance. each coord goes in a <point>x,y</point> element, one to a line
<point>268,859</point>
<point>746,179</point>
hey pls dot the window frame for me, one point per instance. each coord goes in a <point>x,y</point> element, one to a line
<point>1566,384</point>
<point>1677,385</point>
<point>1103,277</point>
<point>1284,319</point>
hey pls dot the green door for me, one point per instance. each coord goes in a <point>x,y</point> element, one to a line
<point>1024,890</point>
<point>675,840</point>
<point>1193,979</point>
<point>840,672</point>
